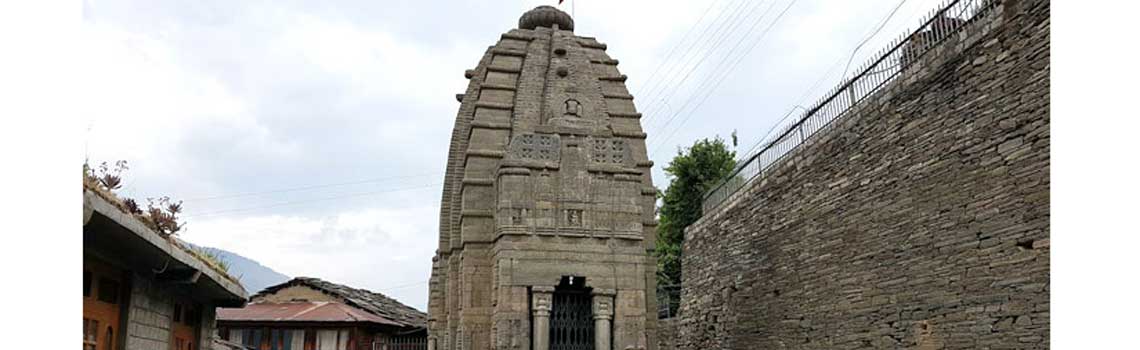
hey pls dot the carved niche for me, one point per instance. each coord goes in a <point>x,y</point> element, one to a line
<point>574,217</point>
<point>572,108</point>
<point>572,113</point>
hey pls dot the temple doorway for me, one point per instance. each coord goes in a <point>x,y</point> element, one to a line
<point>571,317</point>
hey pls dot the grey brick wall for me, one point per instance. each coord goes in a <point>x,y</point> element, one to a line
<point>921,221</point>
<point>150,317</point>
<point>149,321</point>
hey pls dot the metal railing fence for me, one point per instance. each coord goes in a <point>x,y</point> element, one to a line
<point>668,301</point>
<point>900,54</point>
<point>415,341</point>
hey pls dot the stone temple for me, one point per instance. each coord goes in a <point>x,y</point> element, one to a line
<point>547,209</point>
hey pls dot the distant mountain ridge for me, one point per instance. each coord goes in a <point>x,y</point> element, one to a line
<point>253,275</point>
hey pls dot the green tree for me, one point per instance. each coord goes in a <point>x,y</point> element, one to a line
<point>691,173</point>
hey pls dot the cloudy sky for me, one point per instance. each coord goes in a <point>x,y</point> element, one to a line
<point>311,136</point>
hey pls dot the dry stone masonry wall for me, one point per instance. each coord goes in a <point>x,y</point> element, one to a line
<point>921,220</point>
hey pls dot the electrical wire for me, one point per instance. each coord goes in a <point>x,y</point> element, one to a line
<point>725,75</point>
<point>714,73</point>
<point>799,104</point>
<point>717,43</point>
<point>669,55</point>
<point>800,100</point>
<point>412,284</point>
<point>656,85</point>
<point>302,188</point>
<point>881,25</point>
<point>229,211</point>
<point>759,141</point>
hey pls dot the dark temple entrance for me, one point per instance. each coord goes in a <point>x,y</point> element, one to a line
<point>571,317</point>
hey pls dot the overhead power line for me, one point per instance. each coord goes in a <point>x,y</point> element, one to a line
<point>669,55</point>
<point>708,92</point>
<point>882,24</point>
<point>800,100</point>
<point>402,286</point>
<point>770,130</point>
<point>236,210</point>
<point>654,86</point>
<point>799,104</point>
<point>309,187</point>
<point>864,42</point>
<point>708,45</point>
<point>714,73</point>
<point>720,35</point>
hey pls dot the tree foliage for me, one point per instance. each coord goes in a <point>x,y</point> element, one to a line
<point>691,173</point>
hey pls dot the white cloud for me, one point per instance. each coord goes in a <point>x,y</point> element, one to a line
<point>376,62</point>
<point>376,249</point>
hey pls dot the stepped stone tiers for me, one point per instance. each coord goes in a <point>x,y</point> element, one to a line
<point>547,208</point>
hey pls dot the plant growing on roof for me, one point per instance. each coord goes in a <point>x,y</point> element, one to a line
<point>104,175</point>
<point>212,257</point>
<point>160,215</point>
<point>163,213</point>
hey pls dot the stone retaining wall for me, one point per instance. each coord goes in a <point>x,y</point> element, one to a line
<point>666,333</point>
<point>919,221</point>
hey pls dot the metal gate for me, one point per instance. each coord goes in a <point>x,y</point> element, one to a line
<point>571,320</point>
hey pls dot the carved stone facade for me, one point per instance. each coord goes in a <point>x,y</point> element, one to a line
<point>547,180</point>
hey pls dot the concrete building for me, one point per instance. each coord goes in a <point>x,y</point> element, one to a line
<point>547,207</point>
<point>310,314</point>
<point>143,290</point>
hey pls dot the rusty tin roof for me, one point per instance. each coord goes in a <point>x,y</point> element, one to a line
<point>301,311</point>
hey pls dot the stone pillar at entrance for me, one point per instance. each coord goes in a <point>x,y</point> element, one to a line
<point>540,303</point>
<point>603,313</point>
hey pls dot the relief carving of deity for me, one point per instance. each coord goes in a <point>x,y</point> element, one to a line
<point>572,108</point>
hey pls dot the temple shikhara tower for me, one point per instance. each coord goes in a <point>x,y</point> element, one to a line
<point>547,210</point>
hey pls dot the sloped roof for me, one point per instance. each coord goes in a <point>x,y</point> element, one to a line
<point>302,311</point>
<point>376,304</point>
<point>110,228</point>
<point>221,344</point>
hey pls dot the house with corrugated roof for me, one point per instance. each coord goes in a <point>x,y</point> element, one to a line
<point>311,314</point>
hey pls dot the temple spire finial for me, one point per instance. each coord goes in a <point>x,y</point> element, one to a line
<point>546,16</point>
